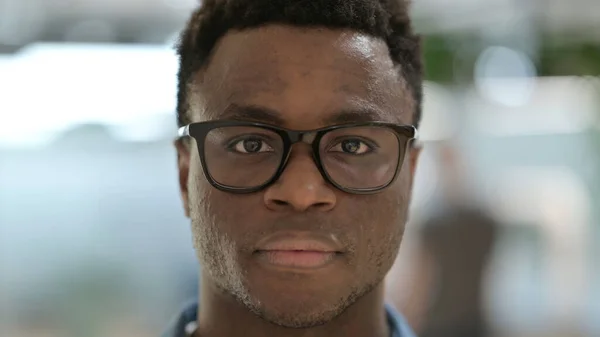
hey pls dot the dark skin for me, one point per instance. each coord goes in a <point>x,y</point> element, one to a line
<point>304,79</point>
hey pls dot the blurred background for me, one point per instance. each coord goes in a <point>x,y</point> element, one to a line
<point>505,225</point>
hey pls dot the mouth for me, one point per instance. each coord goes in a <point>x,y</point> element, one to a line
<point>298,251</point>
<point>299,259</point>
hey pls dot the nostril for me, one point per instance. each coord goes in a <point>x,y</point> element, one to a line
<point>321,205</point>
<point>279,202</point>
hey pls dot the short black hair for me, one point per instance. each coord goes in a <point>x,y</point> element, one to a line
<point>385,19</point>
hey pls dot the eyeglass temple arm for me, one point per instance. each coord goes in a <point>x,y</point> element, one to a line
<point>415,141</point>
<point>416,135</point>
<point>183,131</point>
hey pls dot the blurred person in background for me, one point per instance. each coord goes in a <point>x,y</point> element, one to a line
<point>455,243</point>
<point>296,163</point>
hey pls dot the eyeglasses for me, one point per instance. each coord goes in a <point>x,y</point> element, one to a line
<point>245,157</point>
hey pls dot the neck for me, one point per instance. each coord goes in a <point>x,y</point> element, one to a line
<point>220,315</point>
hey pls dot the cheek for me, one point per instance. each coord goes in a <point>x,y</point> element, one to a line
<point>215,246</point>
<point>219,224</point>
<point>383,227</point>
<point>198,188</point>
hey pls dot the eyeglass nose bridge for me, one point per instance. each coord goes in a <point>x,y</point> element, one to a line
<point>307,137</point>
<point>310,138</point>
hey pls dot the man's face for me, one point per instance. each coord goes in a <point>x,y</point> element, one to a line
<point>306,77</point>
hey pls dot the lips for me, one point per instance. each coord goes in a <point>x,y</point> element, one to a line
<point>297,259</point>
<point>298,250</point>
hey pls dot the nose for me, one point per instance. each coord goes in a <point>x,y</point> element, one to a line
<point>301,187</point>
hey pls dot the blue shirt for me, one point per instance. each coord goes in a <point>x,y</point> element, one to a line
<point>184,325</point>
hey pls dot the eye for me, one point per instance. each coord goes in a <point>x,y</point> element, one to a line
<point>352,146</point>
<point>250,145</point>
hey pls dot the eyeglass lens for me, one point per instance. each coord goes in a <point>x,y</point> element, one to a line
<point>362,157</point>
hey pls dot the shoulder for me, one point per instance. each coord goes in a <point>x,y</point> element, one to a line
<point>180,324</point>
<point>183,321</point>
<point>397,323</point>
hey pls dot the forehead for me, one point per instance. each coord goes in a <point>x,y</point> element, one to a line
<point>301,78</point>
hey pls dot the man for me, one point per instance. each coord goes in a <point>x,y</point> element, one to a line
<point>296,163</point>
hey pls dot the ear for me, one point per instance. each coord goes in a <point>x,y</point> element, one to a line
<point>183,165</point>
<point>414,153</point>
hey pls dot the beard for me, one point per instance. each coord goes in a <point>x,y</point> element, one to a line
<point>224,239</point>
<point>303,317</point>
<point>222,264</point>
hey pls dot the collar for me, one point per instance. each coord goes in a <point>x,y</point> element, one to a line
<point>185,323</point>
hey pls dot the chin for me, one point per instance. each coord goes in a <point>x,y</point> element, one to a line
<point>297,313</point>
<point>300,303</point>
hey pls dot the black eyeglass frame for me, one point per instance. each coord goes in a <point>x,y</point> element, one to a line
<point>200,130</point>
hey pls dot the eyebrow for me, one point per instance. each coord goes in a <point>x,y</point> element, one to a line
<point>271,116</point>
<point>355,116</point>
<point>253,113</point>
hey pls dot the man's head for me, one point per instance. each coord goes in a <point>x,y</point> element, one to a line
<point>299,251</point>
